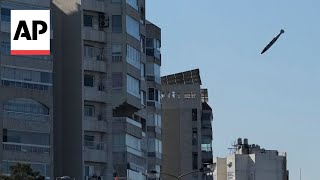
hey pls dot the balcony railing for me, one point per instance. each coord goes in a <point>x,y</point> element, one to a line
<point>94,145</point>
<point>26,116</point>
<point>8,146</point>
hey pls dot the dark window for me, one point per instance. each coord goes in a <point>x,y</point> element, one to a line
<point>5,14</point>
<point>88,80</point>
<point>195,161</point>
<point>87,20</point>
<point>194,115</point>
<point>117,23</point>
<point>117,81</point>
<point>144,125</point>
<point>194,136</point>
<point>151,94</point>
<point>89,110</point>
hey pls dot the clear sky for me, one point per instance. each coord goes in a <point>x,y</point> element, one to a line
<point>272,99</point>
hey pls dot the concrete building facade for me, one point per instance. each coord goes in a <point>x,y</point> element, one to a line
<point>86,111</point>
<point>187,129</point>
<point>249,161</point>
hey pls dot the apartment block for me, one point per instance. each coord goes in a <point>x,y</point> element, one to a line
<point>26,100</point>
<point>187,125</point>
<point>92,109</point>
<point>250,161</point>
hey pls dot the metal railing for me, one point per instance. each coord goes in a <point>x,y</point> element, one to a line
<point>94,145</point>
<point>8,146</point>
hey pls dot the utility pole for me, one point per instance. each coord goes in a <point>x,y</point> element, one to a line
<point>300,173</point>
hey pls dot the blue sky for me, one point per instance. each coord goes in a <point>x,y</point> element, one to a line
<point>272,99</point>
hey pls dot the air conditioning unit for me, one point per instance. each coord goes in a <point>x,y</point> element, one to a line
<point>103,20</point>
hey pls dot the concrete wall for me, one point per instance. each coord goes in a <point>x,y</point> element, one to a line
<point>67,20</point>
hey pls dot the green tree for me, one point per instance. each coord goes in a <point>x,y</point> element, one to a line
<point>22,172</point>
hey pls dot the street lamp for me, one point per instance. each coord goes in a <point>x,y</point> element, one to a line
<point>153,173</point>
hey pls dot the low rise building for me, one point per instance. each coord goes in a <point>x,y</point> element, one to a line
<point>251,162</point>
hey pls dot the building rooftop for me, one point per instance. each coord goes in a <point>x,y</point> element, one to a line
<point>187,77</point>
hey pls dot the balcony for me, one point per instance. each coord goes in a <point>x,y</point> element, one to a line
<point>94,94</point>
<point>153,52</point>
<point>91,34</point>
<point>127,126</point>
<point>26,152</point>
<point>95,151</point>
<point>93,5</point>
<point>5,27</point>
<point>93,124</point>
<point>92,64</point>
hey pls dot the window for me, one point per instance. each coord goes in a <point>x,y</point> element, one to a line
<point>134,4</point>
<point>87,20</point>
<point>133,56</point>
<point>26,75</point>
<point>153,69</point>
<point>116,23</point>
<point>206,147</point>
<point>133,142</point>
<point>88,141</point>
<point>24,78</point>
<point>143,98</point>
<point>195,161</point>
<point>88,80</point>
<point>116,53</point>
<point>5,14</point>
<point>154,145</point>
<point>133,86</point>
<point>89,110</point>
<point>88,51</point>
<point>158,121</point>
<point>133,27</point>
<point>154,95</point>
<point>117,81</point>
<point>194,136</point>
<point>194,115</point>
<point>25,109</point>
<point>25,137</point>
<point>143,71</point>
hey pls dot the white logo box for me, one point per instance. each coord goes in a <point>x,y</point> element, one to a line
<point>28,39</point>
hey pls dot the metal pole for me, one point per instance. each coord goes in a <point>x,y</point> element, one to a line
<point>300,173</point>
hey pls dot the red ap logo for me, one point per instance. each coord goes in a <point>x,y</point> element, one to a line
<point>30,32</point>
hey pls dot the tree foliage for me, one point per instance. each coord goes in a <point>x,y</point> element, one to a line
<point>22,172</point>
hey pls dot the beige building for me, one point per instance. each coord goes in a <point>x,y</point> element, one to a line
<point>187,129</point>
<point>250,162</point>
<point>92,109</point>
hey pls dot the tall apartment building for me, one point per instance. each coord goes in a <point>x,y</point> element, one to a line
<point>187,129</point>
<point>249,161</point>
<point>101,115</point>
<point>26,100</point>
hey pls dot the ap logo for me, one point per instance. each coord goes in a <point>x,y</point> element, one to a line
<point>30,32</point>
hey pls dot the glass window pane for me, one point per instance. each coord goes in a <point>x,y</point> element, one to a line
<point>116,23</point>
<point>87,20</point>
